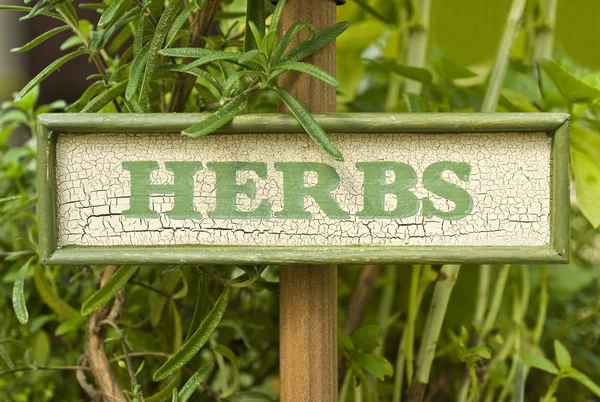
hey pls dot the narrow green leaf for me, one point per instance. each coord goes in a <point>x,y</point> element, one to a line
<point>28,9</point>
<point>311,70</point>
<point>13,212</point>
<point>109,14</point>
<point>287,38</point>
<point>109,290</point>
<point>563,357</point>
<point>178,23</point>
<point>46,35</point>
<point>195,380</point>
<point>156,44</point>
<point>235,383</point>
<point>540,362</point>
<point>586,171</point>
<point>309,124</point>
<point>91,91</point>
<point>414,73</point>
<point>39,6</point>
<point>18,297</point>
<point>237,78</point>
<point>316,43</point>
<point>134,106</point>
<point>71,42</point>
<point>166,391</point>
<point>276,16</point>
<point>583,380</point>
<point>200,53</point>
<point>50,298</point>
<point>451,71</point>
<point>175,396</point>
<point>105,98</point>
<point>183,68</point>
<point>47,71</point>
<point>255,25</point>
<point>6,358</point>
<point>219,118</point>
<point>256,35</point>
<point>376,365</point>
<point>136,73</point>
<point>138,39</point>
<point>572,89</point>
<point>196,341</point>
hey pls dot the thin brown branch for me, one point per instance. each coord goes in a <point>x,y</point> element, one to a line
<point>33,368</point>
<point>93,393</point>
<point>99,363</point>
<point>130,370</point>
<point>143,285</point>
<point>199,29</point>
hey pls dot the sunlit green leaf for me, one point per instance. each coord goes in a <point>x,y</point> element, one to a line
<point>218,119</point>
<point>18,297</point>
<point>376,365</point>
<point>178,22</point>
<point>309,124</point>
<point>193,345</point>
<point>109,14</point>
<point>587,185</point>
<point>112,286</point>
<point>194,382</point>
<point>235,383</point>
<point>156,44</point>
<point>316,43</point>
<point>276,16</point>
<point>572,88</point>
<point>366,338</point>
<point>136,73</point>
<point>563,357</point>
<point>311,70</point>
<point>105,98</point>
<point>47,71</point>
<point>46,35</point>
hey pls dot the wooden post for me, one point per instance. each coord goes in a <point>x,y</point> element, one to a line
<point>308,298</point>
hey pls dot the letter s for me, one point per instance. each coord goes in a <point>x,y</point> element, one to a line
<point>433,181</point>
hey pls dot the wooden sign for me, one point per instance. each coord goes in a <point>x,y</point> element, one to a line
<point>129,189</point>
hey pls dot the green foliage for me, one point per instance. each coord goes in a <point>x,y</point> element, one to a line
<point>150,57</point>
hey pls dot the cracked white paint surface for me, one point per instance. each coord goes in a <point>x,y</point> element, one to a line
<point>509,183</point>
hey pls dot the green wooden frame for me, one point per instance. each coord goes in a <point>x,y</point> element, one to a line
<point>554,124</point>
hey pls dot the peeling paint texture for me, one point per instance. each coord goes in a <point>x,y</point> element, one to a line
<point>509,184</point>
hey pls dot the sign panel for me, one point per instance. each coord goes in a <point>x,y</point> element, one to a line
<point>412,188</point>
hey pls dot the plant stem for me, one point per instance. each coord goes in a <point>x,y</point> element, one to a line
<point>492,314</point>
<point>417,41</point>
<point>410,324</point>
<point>385,305</point>
<point>395,83</point>
<point>433,327</point>
<point>348,382</point>
<point>542,309</point>
<point>552,389</point>
<point>544,42</point>
<point>490,101</point>
<point>483,290</point>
